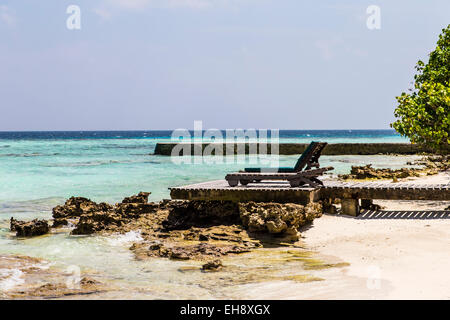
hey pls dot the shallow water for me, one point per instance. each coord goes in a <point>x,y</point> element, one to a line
<point>38,174</point>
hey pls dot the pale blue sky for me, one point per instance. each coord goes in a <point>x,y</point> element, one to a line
<point>161,64</point>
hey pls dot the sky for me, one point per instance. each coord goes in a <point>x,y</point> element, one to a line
<point>161,64</point>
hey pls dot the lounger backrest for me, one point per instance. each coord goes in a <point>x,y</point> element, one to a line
<point>310,157</point>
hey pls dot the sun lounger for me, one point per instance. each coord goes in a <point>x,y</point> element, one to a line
<point>302,173</point>
<point>309,159</point>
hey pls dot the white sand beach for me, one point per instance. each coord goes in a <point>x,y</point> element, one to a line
<point>390,255</point>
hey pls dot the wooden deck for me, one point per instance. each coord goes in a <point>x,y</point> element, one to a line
<point>265,191</point>
<point>279,191</point>
<point>386,190</point>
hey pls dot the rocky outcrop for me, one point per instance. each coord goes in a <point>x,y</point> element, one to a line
<point>134,210</point>
<point>183,230</point>
<point>187,214</point>
<point>429,166</point>
<point>434,164</point>
<point>184,251</point>
<point>74,208</point>
<point>141,197</point>
<point>276,218</point>
<point>368,172</point>
<point>30,228</point>
<point>95,222</point>
<point>90,217</point>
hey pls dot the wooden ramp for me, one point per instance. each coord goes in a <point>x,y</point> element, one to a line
<point>386,190</point>
<point>348,192</point>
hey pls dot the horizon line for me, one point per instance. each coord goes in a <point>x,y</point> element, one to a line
<point>141,130</point>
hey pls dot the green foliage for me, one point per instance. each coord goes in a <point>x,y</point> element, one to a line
<point>424,113</point>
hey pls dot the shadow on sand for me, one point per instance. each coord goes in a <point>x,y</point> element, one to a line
<point>404,215</point>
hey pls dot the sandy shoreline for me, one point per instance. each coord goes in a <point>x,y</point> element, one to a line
<point>391,256</point>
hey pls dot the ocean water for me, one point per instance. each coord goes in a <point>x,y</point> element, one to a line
<point>39,170</point>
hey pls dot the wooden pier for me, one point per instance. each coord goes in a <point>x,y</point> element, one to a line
<point>348,192</point>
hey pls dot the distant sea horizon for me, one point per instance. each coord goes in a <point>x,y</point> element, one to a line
<point>371,135</point>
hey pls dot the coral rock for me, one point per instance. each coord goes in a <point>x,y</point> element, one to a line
<point>78,206</point>
<point>29,229</point>
<point>430,166</point>
<point>186,214</point>
<point>276,218</point>
<point>141,197</point>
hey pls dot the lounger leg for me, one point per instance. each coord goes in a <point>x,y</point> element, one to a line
<point>317,181</point>
<point>244,182</point>
<point>310,181</point>
<point>328,206</point>
<point>233,183</point>
<point>366,203</point>
<point>294,183</point>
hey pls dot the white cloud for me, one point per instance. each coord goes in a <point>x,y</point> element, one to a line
<point>190,3</point>
<point>103,13</point>
<point>196,4</point>
<point>109,8</point>
<point>128,4</point>
<point>7,16</point>
<point>140,4</point>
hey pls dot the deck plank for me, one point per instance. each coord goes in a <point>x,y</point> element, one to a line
<point>281,191</point>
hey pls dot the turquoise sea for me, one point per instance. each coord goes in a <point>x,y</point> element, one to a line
<point>39,170</point>
<point>42,168</point>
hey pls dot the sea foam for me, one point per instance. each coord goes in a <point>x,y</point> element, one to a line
<point>131,236</point>
<point>10,278</point>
